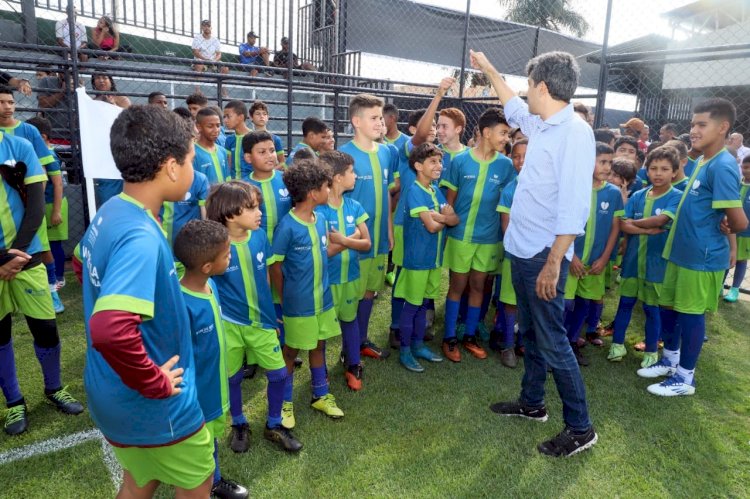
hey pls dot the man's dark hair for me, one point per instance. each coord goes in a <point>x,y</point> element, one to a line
<point>604,135</point>
<point>251,139</point>
<point>238,107</point>
<point>228,199</point>
<point>390,109</point>
<point>200,242</point>
<point>196,98</point>
<point>415,116</point>
<point>665,152</point>
<point>142,138</point>
<point>558,70</point>
<point>306,176</point>
<point>580,107</point>
<point>603,148</point>
<point>183,112</point>
<point>626,139</point>
<point>718,109</point>
<point>672,127</point>
<point>313,125</point>
<point>685,139</point>
<point>422,152</point>
<point>206,112</point>
<point>491,118</point>
<point>337,160</point>
<point>154,95</point>
<point>41,124</point>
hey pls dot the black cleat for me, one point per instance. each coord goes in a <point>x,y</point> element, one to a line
<point>65,402</point>
<point>240,439</point>
<point>16,420</point>
<point>283,438</point>
<point>228,489</point>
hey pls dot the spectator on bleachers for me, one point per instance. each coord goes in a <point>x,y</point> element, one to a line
<point>44,71</point>
<point>103,82</point>
<point>207,48</point>
<point>105,36</point>
<point>253,54</point>
<point>20,84</point>
<point>64,38</point>
<point>158,99</point>
<point>281,59</point>
<point>53,95</point>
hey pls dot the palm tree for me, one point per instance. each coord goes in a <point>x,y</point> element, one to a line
<point>555,15</point>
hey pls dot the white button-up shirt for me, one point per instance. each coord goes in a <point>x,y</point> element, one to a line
<point>62,30</point>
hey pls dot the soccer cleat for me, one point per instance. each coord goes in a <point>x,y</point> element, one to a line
<point>567,443</point>
<point>57,303</point>
<point>422,352</point>
<point>60,283</point>
<point>508,358</point>
<point>617,352</point>
<point>450,350</point>
<point>519,409</point>
<point>16,420</point>
<point>649,359</point>
<point>327,405</point>
<point>640,346</point>
<point>580,358</point>
<point>594,339</point>
<point>520,350</point>
<point>471,345</point>
<point>239,441</point>
<point>482,331</point>
<point>394,338</point>
<point>354,377</point>
<point>369,349</point>
<point>298,362</point>
<point>65,402</point>
<point>287,415</point>
<point>283,438</point>
<point>673,386</point>
<point>228,489</point>
<point>409,362</point>
<point>732,296</point>
<point>660,368</point>
<point>607,330</point>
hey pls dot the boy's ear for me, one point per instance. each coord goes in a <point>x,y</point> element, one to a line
<point>246,157</point>
<point>207,267</point>
<point>169,166</point>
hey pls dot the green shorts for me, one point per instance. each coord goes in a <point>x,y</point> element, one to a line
<point>462,257</point>
<point>217,426</point>
<point>304,333</point>
<point>186,464</point>
<point>397,255</point>
<point>28,293</point>
<point>371,274</point>
<point>590,286</point>
<point>743,248</point>
<point>58,232</point>
<point>416,285</point>
<point>691,291</point>
<point>255,344</point>
<point>647,292</point>
<point>507,292</point>
<point>346,300</point>
<point>43,236</point>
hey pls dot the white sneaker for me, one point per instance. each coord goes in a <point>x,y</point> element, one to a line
<point>60,283</point>
<point>672,387</point>
<point>661,368</point>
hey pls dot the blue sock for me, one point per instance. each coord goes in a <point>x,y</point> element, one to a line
<point>463,307</point>
<point>451,316</point>
<point>509,333</point>
<point>429,304</point>
<point>364,310</point>
<point>499,323</point>
<point>653,327</point>
<point>58,253</point>
<point>235,398</point>
<point>397,305</point>
<point>51,276</point>
<point>275,394</point>
<point>406,324</point>
<point>486,298</point>
<point>739,273</point>
<point>472,319</point>
<point>288,385</point>
<point>280,317</point>
<point>594,316</point>
<point>217,473</point>
<point>669,329</point>
<point>622,318</point>
<point>318,381</point>
<point>49,359</point>
<point>8,378</point>
<point>580,311</point>
<point>420,325</point>
<point>350,339</point>
<point>570,305</point>
<point>496,292</point>
<point>692,328</point>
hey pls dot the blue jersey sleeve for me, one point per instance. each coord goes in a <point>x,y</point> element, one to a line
<point>454,174</point>
<point>672,203</point>
<point>278,145</point>
<point>24,152</point>
<point>506,200</point>
<point>725,185</point>
<point>281,238</point>
<point>360,215</point>
<point>201,188</point>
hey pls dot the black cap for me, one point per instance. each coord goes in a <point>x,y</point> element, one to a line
<point>284,39</point>
<point>251,34</point>
<point>206,22</point>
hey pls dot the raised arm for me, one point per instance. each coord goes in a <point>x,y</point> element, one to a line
<point>428,118</point>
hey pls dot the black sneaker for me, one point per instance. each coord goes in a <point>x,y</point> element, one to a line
<point>494,344</point>
<point>568,443</point>
<point>298,363</point>
<point>518,408</point>
<point>16,420</point>
<point>228,489</point>
<point>283,438</point>
<point>369,349</point>
<point>65,402</point>
<point>240,439</point>
<point>580,358</point>
<point>248,371</point>
<point>394,338</point>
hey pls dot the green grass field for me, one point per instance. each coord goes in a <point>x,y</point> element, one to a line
<point>432,435</point>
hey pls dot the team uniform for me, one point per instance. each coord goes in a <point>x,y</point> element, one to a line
<point>300,145</point>
<point>681,185</point>
<point>399,141</point>
<point>213,164</point>
<point>448,157</point>
<point>276,201</point>
<point>174,215</point>
<point>743,238</point>
<point>507,293</point>
<point>406,177</point>
<point>239,168</point>
<point>690,166</point>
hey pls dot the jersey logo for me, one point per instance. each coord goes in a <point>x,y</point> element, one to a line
<point>696,184</point>
<point>658,212</point>
<point>323,240</point>
<point>284,193</point>
<point>350,219</point>
<point>259,257</point>
<point>604,205</point>
<point>385,175</point>
<point>188,196</point>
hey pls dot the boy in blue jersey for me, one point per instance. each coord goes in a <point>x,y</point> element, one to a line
<point>314,136</point>
<point>140,370</point>
<point>475,181</point>
<point>235,114</point>
<point>300,276</point>
<point>742,252</point>
<point>203,248</point>
<point>392,134</point>
<point>23,283</point>
<point>175,214</point>
<point>680,180</point>
<point>373,165</point>
<point>697,249</point>
<point>259,115</point>
<point>426,214</point>
<point>585,286</point>
<point>211,159</point>
<point>347,236</point>
<point>247,309</point>
<point>646,213</point>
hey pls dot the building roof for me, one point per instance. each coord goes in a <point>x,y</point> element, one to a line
<point>709,14</point>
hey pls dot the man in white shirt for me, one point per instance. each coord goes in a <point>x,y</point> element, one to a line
<point>64,38</point>
<point>736,142</point>
<point>207,48</point>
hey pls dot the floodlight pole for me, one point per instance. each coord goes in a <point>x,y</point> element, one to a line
<point>461,77</point>
<point>601,94</point>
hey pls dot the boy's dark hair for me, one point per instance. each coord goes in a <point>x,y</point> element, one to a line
<point>685,139</point>
<point>653,145</point>
<point>154,95</point>
<point>227,200</point>
<point>305,176</point>
<point>625,168</point>
<point>41,124</point>
<point>664,152</point>
<point>746,159</point>
<point>6,90</point>
<point>337,160</point>
<point>422,152</point>
<point>183,112</point>
<point>391,110</point>
<point>415,116</point>
<point>580,107</point>
<point>603,148</point>
<point>604,135</point>
<point>641,156</point>
<point>363,101</point>
<point>626,139</point>
<point>251,139</point>
<point>304,153</point>
<point>238,107</point>
<point>197,98</point>
<point>718,109</point>
<point>491,118</point>
<point>558,70</point>
<point>258,105</point>
<point>313,125</point>
<point>206,112</point>
<point>519,142</point>
<point>144,137</point>
<point>200,242</point>
<point>680,146</point>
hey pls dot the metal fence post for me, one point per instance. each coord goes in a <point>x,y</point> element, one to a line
<point>290,84</point>
<point>462,75</point>
<point>601,93</point>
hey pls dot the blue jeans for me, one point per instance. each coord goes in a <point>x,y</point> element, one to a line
<point>546,342</point>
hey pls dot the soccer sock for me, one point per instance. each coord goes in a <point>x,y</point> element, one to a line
<point>668,330</point>
<point>451,316</point>
<point>235,398</point>
<point>280,323</point>
<point>397,305</point>
<point>350,339</point>
<point>510,326</point>
<point>486,298</point>
<point>49,359</point>
<point>472,319</point>
<point>580,311</point>
<point>429,304</point>
<point>687,374</point>
<point>692,328</point>
<point>58,253</point>
<point>496,290</point>
<point>671,356</point>
<point>51,277</point>
<point>653,327</point>
<point>363,318</point>
<point>420,325</point>
<point>406,324</point>
<point>318,381</point>
<point>622,318</point>
<point>570,305</point>
<point>499,323</point>
<point>739,273</point>
<point>288,385</point>
<point>594,315</point>
<point>217,473</point>
<point>8,378</point>
<point>275,394</point>
<point>463,307</point>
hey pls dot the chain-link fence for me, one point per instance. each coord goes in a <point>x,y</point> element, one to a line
<point>650,60</point>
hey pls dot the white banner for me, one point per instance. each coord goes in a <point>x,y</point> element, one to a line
<point>95,119</point>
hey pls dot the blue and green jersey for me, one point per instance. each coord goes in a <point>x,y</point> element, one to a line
<point>606,204</point>
<point>276,201</point>
<point>423,250</point>
<point>745,198</point>
<point>239,168</point>
<point>174,215</point>
<point>344,266</point>
<point>213,164</point>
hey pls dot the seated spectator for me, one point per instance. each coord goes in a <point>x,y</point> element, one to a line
<point>19,84</point>
<point>63,35</point>
<point>253,54</point>
<point>105,36</point>
<point>53,94</point>
<point>207,48</point>
<point>158,99</point>
<point>281,59</point>
<point>102,82</point>
<point>44,71</point>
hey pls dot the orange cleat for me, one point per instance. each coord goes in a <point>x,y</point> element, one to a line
<point>470,344</point>
<point>354,377</point>
<point>450,350</point>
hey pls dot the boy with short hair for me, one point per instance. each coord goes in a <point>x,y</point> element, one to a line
<point>680,180</point>
<point>202,246</point>
<point>140,371</point>
<point>247,309</point>
<point>347,236</point>
<point>235,114</point>
<point>392,134</point>
<point>259,115</point>
<point>195,102</point>
<point>697,249</point>
<point>314,135</point>
<point>210,158</point>
<point>300,276</point>
<point>743,238</point>
<point>475,181</point>
<point>646,213</point>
